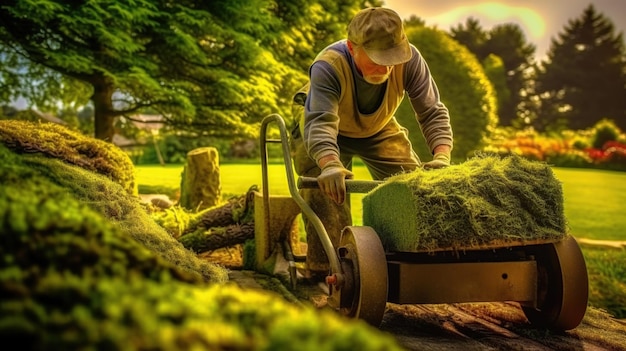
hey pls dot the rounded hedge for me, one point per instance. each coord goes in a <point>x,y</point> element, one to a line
<point>464,89</point>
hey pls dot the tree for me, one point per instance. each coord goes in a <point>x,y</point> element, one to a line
<point>472,35</point>
<point>509,43</point>
<point>583,79</point>
<point>308,27</point>
<point>208,67</point>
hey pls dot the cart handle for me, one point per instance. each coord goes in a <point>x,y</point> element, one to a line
<point>333,260</point>
<point>352,185</point>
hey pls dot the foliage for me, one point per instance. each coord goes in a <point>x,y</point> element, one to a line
<point>496,72</point>
<point>306,27</point>
<point>210,68</point>
<point>604,131</point>
<point>583,79</point>
<point>567,149</point>
<point>464,89</point>
<point>508,42</point>
<point>472,36</point>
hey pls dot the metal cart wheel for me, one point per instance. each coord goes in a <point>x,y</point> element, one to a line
<point>563,290</point>
<point>364,264</point>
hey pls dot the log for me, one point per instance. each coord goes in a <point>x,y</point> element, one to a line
<point>235,210</point>
<point>218,237</point>
<point>200,186</point>
<point>222,226</point>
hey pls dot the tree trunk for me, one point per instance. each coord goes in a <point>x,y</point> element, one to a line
<point>200,184</point>
<point>104,113</point>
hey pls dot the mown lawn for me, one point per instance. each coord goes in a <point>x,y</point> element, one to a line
<point>595,202</point>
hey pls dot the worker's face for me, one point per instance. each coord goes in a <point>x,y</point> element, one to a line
<point>371,72</point>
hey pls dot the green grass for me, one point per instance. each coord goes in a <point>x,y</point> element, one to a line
<point>595,200</point>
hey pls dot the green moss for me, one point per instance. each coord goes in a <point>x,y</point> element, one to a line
<point>484,200</point>
<point>141,314</point>
<point>42,226</point>
<point>59,142</point>
<point>105,198</point>
<point>83,267</point>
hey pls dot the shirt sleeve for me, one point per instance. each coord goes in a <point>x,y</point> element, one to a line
<point>321,119</point>
<point>432,115</point>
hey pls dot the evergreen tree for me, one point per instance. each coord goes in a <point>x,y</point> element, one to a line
<point>509,43</point>
<point>583,79</point>
<point>473,36</point>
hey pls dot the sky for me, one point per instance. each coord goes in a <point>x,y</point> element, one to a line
<point>540,20</point>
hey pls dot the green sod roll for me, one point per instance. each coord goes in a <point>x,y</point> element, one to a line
<point>485,201</point>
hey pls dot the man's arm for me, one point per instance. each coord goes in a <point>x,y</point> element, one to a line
<point>321,119</point>
<point>321,127</point>
<point>432,115</point>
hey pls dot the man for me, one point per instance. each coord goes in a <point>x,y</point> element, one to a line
<point>354,89</point>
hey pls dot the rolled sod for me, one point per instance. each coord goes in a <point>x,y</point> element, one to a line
<point>484,202</point>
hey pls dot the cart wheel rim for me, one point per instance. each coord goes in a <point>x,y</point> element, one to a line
<point>563,287</point>
<point>368,296</point>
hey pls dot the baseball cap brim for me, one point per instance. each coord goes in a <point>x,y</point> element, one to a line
<point>396,55</point>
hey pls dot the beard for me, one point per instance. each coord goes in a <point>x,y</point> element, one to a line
<point>376,79</point>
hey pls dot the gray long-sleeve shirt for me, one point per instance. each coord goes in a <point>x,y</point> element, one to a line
<point>322,113</point>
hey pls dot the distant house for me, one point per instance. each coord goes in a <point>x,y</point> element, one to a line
<point>49,117</point>
<point>150,123</point>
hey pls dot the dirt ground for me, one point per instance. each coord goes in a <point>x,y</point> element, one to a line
<point>442,327</point>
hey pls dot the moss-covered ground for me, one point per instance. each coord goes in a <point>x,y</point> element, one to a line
<point>84,266</point>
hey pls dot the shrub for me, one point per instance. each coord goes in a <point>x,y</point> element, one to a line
<point>568,149</point>
<point>464,88</point>
<point>604,131</point>
<point>570,158</point>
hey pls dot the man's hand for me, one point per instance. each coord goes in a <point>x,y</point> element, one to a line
<point>441,160</point>
<point>332,180</point>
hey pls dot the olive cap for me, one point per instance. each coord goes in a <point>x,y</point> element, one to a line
<point>379,31</point>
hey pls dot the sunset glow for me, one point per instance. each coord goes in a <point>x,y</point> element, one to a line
<point>496,13</point>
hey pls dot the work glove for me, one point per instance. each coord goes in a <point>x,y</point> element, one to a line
<point>332,180</point>
<point>441,160</point>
